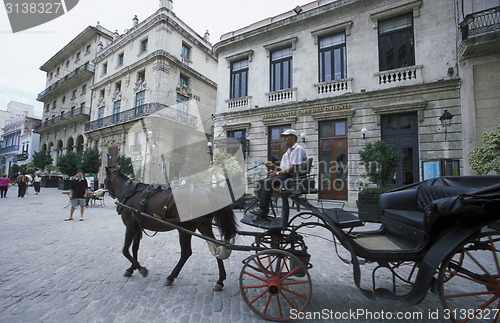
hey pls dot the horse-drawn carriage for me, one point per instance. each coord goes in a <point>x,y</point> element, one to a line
<point>438,234</point>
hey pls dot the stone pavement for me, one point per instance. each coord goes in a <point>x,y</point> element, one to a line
<point>57,271</point>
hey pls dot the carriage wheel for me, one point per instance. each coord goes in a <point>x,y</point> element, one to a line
<point>469,279</point>
<point>275,284</point>
<point>405,270</point>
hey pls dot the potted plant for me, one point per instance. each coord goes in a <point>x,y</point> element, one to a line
<point>380,162</point>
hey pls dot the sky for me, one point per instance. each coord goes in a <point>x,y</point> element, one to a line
<point>24,52</point>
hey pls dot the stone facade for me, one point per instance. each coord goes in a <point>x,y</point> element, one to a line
<point>154,92</point>
<point>67,97</point>
<point>401,105</point>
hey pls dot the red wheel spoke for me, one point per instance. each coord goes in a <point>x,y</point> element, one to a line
<point>292,305</point>
<point>294,293</point>
<point>258,297</point>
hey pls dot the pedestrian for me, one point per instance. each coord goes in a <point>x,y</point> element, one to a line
<point>77,195</point>
<point>37,183</point>
<point>22,184</point>
<point>4,185</point>
<point>29,182</point>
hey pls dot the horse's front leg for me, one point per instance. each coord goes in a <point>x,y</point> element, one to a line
<point>206,229</point>
<point>133,235</point>
<point>186,252</point>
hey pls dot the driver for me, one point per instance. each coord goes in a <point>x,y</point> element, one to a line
<point>290,163</point>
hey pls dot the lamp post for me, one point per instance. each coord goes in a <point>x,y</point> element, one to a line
<point>445,119</point>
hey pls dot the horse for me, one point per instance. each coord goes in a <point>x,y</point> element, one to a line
<point>159,202</point>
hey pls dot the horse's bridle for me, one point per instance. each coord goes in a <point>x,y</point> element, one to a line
<point>107,183</point>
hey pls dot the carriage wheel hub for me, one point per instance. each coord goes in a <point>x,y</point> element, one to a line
<point>274,286</point>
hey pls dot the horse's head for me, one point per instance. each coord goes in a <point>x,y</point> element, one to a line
<point>113,182</point>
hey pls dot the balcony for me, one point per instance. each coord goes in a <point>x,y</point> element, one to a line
<point>282,96</point>
<point>84,69</point>
<point>408,75</point>
<point>9,149</point>
<point>480,32</point>
<point>168,112</point>
<point>334,88</point>
<point>75,115</point>
<point>243,102</point>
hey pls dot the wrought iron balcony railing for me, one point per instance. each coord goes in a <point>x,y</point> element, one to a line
<point>481,22</point>
<point>141,111</point>
<point>9,149</point>
<point>82,111</point>
<point>87,67</point>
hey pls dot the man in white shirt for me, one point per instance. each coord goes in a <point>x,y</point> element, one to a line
<point>290,163</point>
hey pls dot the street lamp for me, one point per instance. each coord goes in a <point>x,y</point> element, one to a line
<point>364,131</point>
<point>446,121</point>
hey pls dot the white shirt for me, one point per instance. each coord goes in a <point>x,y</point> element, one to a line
<point>293,156</point>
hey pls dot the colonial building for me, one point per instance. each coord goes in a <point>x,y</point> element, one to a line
<point>154,95</point>
<point>479,65</point>
<point>345,73</point>
<point>67,97</point>
<point>18,142</point>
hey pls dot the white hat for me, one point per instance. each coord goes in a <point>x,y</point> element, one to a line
<point>290,132</point>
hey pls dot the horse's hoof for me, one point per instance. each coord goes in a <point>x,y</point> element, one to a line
<point>144,272</point>
<point>168,282</point>
<point>217,287</point>
<point>127,273</point>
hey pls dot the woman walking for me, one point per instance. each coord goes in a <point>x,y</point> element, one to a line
<point>36,183</point>
<point>4,185</point>
<point>22,184</point>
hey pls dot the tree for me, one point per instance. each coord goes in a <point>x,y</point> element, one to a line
<point>380,162</point>
<point>68,164</point>
<point>91,161</point>
<point>125,164</point>
<point>41,159</point>
<point>486,158</point>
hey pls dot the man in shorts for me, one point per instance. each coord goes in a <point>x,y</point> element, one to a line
<point>77,195</point>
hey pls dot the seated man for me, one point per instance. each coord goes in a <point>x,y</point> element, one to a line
<point>95,194</point>
<point>290,163</point>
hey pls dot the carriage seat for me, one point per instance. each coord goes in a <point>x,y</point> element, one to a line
<point>303,182</point>
<point>403,212</point>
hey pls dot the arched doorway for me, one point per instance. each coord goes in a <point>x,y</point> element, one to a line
<point>79,145</point>
<point>70,143</point>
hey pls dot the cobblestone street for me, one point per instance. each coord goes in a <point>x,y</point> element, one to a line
<point>57,271</point>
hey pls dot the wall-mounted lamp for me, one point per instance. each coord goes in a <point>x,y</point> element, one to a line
<point>209,148</point>
<point>297,10</point>
<point>446,121</point>
<point>364,131</point>
<point>303,137</point>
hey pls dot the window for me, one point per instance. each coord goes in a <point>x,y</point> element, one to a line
<point>78,56</point>
<point>121,57</point>
<point>118,87</point>
<point>105,68</point>
<point>182,108</point>
<point>54,104</point>
<point>100,116</point>
<point>84,88</point>
<point>144,45</point>
<point>47,107</point>
<point>186,51</point>
<point>74,94</point>
<point>281,69</point>
<point>241,136</point>
<point>396,45</point>
<point>102,93</point>
<point>141,76</point>
<point>63,99</point>
<point>87,49</point>
<point>183,81</point>
<point>67,63</point>
<point>57,70</point>
<point>239,79</point>
<point>51,75</point>
<point>139,103</point>
<point>116,111</point>
<point>332,58</point>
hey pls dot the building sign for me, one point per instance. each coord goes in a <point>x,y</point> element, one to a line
<point>306,111</point>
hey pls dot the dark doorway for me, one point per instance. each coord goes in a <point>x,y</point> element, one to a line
<point>400,131</point>
<point>333,160</point>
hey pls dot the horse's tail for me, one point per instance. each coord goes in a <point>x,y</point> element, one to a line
<point>225,219</point>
